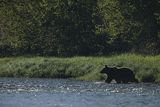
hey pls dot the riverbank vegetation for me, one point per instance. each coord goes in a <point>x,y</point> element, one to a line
<point>146,68</point>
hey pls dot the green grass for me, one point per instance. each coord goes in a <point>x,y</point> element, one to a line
<point>146,68</point>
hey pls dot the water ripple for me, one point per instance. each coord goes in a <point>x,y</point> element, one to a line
<point>55,85</point>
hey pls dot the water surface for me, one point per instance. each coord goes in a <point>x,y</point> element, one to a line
<point>70,93</point>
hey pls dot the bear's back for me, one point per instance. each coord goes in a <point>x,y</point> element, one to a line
<point>125,72</point>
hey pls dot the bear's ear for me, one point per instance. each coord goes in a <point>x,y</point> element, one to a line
<point>106,66</point>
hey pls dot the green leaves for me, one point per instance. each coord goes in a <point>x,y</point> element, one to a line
<point>79,27</point>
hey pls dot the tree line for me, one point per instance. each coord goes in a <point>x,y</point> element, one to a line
<point>79,27</point>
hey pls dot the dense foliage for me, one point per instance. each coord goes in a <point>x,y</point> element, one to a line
<point>79,27</point>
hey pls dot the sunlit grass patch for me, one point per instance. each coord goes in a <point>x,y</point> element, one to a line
<point>146,68</point>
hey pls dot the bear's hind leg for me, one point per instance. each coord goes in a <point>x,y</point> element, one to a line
<point>125,81</point>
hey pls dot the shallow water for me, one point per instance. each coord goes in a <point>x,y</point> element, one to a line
<point>70,93</point>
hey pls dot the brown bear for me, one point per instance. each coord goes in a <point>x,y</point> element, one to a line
<point>121,75</point>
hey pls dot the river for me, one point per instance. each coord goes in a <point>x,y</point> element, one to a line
<point>18,92</point>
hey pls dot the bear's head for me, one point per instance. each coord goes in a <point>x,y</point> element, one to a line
<point>106,70</point>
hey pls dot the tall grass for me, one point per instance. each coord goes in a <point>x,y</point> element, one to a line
<point>146,68</point>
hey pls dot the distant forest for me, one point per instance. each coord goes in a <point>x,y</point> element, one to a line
<point>79,27</point>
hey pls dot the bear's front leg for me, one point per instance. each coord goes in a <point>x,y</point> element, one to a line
<point>118,81</point>
<point>108,80</point>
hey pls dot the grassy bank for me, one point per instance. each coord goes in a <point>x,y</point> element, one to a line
<point>146,68</point>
